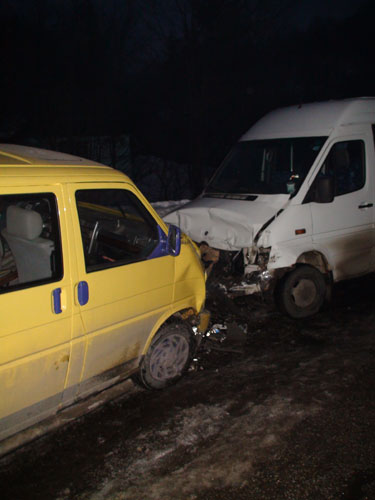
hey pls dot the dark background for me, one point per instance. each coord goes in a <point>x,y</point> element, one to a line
<point>180,80</point>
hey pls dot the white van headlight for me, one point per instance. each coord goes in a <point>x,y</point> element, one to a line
<point>263,257</point>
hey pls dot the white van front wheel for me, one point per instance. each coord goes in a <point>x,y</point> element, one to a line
<point>302,292</point>
<point>168,357</point>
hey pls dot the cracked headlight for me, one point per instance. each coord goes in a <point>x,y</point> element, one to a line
<point>263,257</point>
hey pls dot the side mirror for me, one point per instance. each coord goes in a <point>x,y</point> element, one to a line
<point>324,189</point>
<point>174,240</point>
<point>168,245</point>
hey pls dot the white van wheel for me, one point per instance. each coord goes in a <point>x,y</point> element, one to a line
<point>168,357</point>
<point>302,292</point>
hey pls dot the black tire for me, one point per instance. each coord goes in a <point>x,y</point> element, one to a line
<point>302,292</point>
<point>168,357</point>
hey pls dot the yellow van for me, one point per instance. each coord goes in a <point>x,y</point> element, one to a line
<point>94,286</point>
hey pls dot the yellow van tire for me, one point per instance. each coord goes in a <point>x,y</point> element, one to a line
<point>168,356</point>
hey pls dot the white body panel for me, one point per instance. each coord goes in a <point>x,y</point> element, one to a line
<point>226,224</point>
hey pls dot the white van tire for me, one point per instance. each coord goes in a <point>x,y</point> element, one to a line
<point>302,292</point>
<point>168,356</point>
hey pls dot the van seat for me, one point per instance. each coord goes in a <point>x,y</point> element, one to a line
<point>31,252</point>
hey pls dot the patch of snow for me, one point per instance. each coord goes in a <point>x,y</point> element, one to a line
<point>240,439</point>
<point>164,208</point>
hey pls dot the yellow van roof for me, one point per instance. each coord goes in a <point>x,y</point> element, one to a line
<point>13,155</point>
<point>42,165</point>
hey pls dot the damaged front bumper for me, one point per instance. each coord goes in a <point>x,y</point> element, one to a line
<point>244,272</point>
<point>258,281</point>
<point>198,321</point>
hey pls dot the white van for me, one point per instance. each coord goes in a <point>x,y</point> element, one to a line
<point>293,202</point>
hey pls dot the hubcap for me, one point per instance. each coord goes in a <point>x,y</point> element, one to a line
<point>304,293</point>
<point>169,357</point>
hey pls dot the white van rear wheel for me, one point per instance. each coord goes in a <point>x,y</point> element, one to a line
<point>168,357</point>
<point>302,292</point>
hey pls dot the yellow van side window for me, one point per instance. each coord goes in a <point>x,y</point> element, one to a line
<point>30,247</point>
<point>116,228</point>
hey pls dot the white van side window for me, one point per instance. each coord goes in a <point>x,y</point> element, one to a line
<point>116,228</point>
<point>30,245</point>
<point>346,164</point>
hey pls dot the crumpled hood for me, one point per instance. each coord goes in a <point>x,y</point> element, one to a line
<point>226,224</point>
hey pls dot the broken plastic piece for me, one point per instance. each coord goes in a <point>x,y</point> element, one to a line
<point>216,333</point>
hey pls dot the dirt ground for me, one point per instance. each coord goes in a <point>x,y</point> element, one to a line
<point>281,409</point>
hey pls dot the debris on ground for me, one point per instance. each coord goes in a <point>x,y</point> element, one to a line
<point>230,338</point>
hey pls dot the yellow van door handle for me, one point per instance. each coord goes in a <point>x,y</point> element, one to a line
<point>83,292</point>
<point>56,300</point>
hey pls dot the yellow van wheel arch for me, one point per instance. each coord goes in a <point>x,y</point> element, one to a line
<point>172,316</point>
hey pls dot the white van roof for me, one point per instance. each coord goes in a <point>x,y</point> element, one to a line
<point>314,119</point>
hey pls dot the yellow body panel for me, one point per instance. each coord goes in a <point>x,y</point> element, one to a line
<point>50,359</point>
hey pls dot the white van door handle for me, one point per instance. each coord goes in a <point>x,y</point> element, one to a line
<point>365,205</point>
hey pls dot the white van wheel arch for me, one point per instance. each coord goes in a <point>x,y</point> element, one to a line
<point>315,259</point>
<point>301,293</point>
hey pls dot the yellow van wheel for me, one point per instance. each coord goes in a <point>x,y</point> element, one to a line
<point>168,356</point>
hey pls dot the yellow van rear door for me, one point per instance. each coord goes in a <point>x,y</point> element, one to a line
<point>35,305</point>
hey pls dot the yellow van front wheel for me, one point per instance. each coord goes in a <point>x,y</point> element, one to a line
<point>168,357</point>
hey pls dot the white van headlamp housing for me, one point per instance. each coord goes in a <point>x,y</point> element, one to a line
<point>263,257</point>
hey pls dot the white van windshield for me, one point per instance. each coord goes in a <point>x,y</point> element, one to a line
<point>274,166</point>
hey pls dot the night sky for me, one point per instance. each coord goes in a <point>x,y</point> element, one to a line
<point>306,10</point>
<point>183,79</point>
